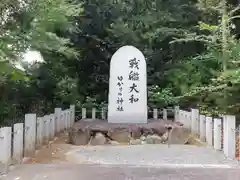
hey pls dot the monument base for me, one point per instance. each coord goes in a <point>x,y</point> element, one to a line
<point>100,132</point>
<point>129,119</point>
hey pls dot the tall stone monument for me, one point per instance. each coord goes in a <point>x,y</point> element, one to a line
<point>127,99</point>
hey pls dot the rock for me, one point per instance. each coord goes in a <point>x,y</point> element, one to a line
<point>178,135</point>
<point>146,131</point>
<point>194,141</point>
<point>79,136</point>
<point>165,136</point>
<point>135,141</point>
<point>153,139</point>
<point>149,140</point>
<point>143,138</point>
<point>114,143</point>
<point>121,135</point>
<point>136,131</point>
<point>159,127</point>
<point>98,139</point>
<point>119,132</point>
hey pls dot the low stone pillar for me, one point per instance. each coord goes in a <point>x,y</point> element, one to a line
<point>217,134</point>
<point>202,128</point>
<point>155,113</point>
<point>209,131</point>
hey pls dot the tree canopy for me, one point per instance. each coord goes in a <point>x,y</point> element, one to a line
<point>191,49</point>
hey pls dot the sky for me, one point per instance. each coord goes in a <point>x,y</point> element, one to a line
<point>30,57</point>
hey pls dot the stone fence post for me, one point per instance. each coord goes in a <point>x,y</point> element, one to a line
<point>195,121</point>
<point>30,134</point>
<point>155,113</point>
<point>209,131</point>
<point>202,128</point>
<point>93,113</point>
<point>217,134</point>
<point>40,132</point>
<point>57,112</point>
<point>84,113</point>
<point>229,127</point>
<point>17,143</point>
<point>5,150</point>
<point>176,113</point>
<point>165,118</point>
<point>72,108</point>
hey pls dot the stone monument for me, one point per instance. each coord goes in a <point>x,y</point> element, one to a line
<point>127,99</point>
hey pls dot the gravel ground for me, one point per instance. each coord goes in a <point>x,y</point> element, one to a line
<point>137,162</point>
<point>148,155</point>
<point>121,172</point>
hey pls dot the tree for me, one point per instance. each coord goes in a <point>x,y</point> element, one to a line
<point>32,24</point>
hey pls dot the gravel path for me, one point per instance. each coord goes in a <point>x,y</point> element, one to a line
<point>121,172</point>
<point>139,162</point>
<point>148,155</point>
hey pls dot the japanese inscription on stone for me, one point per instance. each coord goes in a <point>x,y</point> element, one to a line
<point>127,99</point>
<point>133,76</point>
<point>120,95</point>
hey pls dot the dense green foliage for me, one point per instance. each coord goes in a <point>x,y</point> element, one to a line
<point>191,48</point>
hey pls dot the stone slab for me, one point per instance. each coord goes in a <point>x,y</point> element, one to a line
<point>127,99</point>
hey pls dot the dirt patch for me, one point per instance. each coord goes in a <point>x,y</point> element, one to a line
<point>193,140</point>
<point>54,152</point>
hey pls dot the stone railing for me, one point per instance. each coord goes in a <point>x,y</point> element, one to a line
<point>22,139</point>
<point>219,132</point>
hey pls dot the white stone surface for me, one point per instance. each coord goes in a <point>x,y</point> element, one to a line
<point>209,130</point>
<point>176,113</point>
<point>62,121</point>
<point>72,108</point>
<point>155,113</point>
<point>189,119</point>
<point>40,131</point>
<point>185,119</point>
<point>93,113</point>
<point>202,127</point>
<point>229,136</point>
<point>46,128</point>
<point>225,140</point>
<point>65,119</point>
<point>165,114</point>
<point>127,62</point>
<point>57,112</point>
<point>52,126</point>
<point>195,121</point>
<point>69,118</point>
<point>217,134</point>
<point>181,116</point>
<point>5,142</point>
<point>17,143</point>
<point>30,134</point>
<point>103,113</point>
<point>84,113</point>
